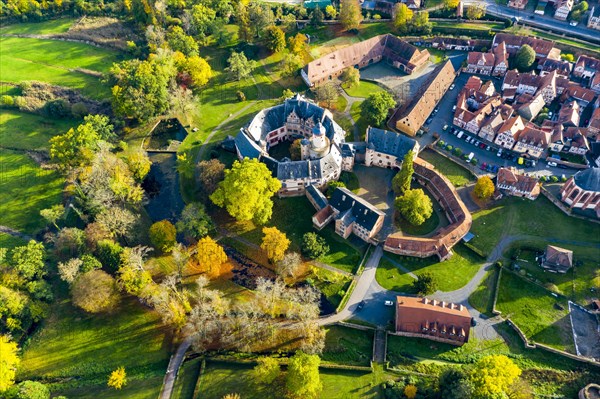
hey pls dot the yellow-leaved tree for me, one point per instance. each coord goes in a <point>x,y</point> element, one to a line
<point>274,243</point>
<point>210,258</point>
<point>493,375</point>
<point>118,378</point>
<point>8,362</point>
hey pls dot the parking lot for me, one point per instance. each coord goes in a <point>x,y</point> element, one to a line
<point>445,115</point>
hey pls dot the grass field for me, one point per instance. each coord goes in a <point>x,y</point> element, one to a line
<point>451,274</point>
<point>348,346</point>
<point>457,175</point>
<point>56,62</point>
<point>532,308</point>
<point>60,25</point>
<point>28,131</point>
<point>360,122</point>
<point>333,285</point>
<point>392,278</point>
<point>483,296</point>
<point>8,241</point>
<point>186,380</point>
<point>466,25</point>
<point>25,189</point>
<point>541,218</point>
<point>364,89</point>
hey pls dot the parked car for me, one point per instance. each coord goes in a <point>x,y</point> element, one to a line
<point>460,134</point>
<point>476,143</point>
<point>454,108</point>
<point>488,148</point>
<point>452,86</point>
<point>388,303</point>
<point>573,23</point>
<point>499,152</point>
<point>495,169</point>
<point>483,166</point>
<point>445,127</point>
<point>473,322</point>
<point>361,305</point>
<point>428,121</point>
<point>489,168</point>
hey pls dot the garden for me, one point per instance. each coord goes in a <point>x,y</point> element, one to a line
<point>458,175</point>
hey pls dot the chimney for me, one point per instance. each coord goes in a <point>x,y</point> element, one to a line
<point>460,307</point>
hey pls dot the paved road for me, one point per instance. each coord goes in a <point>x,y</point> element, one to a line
<point>351,100</point>
<point>173,368</point>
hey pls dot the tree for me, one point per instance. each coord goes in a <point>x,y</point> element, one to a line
<point>296,150</point>
<point>239,66</point>
<point>210,174</point>
<point>9,361</point>
<point>95,291</point>
<point>298,44</point>
<point>275,39</point>
<point>69,270</point>
<point>421,23</point>
<point>118,378</point>
<point>246,191</point>
<point>73,148</point>
<point>484,188</point>
<point>28,260</point>
<point>567,57</point>
<point>179,41</point>
<point>69,243</point>
<point>193,70</point>
<point>350,14</point>
<point>415,206</point>
<point>351,77</point>
<point>425,284</point>
<point>493,375</point>
<point>524,58</point>
<point>317,17</point>
<point>410,391</point>
<point>454,384</point>
<point>291,64</point>
<point>266,371</point>
<point>327,94</point>
<point>302,379</point>
<point>139,163</point>
<point>163,236</point>
<point>31,390</point>
<point>332,185</point>
<point>203,17</point>
<point>402,17</point>
<point>402,179</point>
<point>194,222</point>
<point>261,16</point>
<point>209,257</point>
<point>117,220</point>
<point>109,254</point>
<point>314,246</point>
<point>331,12</point>
<point>475,11</point>
<point>376,107</point>
<point>274,243</point>
<point>53,214</point>
<point>451,4</point>
<point>289,265</point>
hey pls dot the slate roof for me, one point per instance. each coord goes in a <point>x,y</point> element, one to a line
<point>247,147</point>
<point>389,143</point>
<point>317,196</point>
<point>588,179</point>
<point>351,206</point>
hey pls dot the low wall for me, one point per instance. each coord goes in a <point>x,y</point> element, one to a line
<point>429,337</point>
<point>496,289</point>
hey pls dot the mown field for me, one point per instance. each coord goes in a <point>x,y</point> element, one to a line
<point>60,25</point>
<point>457,175</point>
<point>29,131</point>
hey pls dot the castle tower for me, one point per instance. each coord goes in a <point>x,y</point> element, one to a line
<point>319,143</point>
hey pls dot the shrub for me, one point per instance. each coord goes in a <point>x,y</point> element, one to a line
<point>57,109</point>
<point>7,101</point>
<point>162,236</point>
<point>79,110</point>
<point>449,147</point>
<point>474,161</point>
<point>457,151</point>
<point>314,246</point>
<point>563,179</point>
<point>553,179</point>
<point>95,291</point>
<point>240,96</point>
<point>441,143</point>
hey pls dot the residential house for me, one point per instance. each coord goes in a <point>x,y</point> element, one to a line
<point>562,9</point>
<point>586,67</point>
<point>532,141</point>
<point>575,140</point>
<point>455,43</point>
<point>529,106</point>
<point>569,114</point>
<point>543,48</point>
<point>580,94</point>
<point>582,191</point>
<point>531,84</point>
<point>594,18</point>
<point>434,320</point>
<point>492,124</point>
<point>595,83</point>
<point>387,149</point>
<point>480,63</point>
<point>557,260</point>
<point>512,183</point>
<point>507,133</point>
<point>562,68</point>
<point>517,4</point>
<point>594,124</point>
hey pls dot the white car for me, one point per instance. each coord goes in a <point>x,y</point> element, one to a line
<point>573,23</point>
<point>553,164</point>
<point>454,108</point>
<point>388,303</point>
<point>445,127</point>
<point>452,86</point>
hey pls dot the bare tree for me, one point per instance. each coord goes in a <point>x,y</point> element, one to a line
<point>289,265</point>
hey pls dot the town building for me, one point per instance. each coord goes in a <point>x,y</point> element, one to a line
<point>532,142</point>
<point>531,83</point>
<point>387,149</point>
<point>586,67</point>
<point>507,133</point>
<point>562,9</point>
<point>594,18</point>
<point>557,260</point>
<point>510,182</point>
<point>562,68</point>
<point>582,191</point>
<point>492,63</point>
<point>435,320</point>
<point>543,48</point>
<point>517,4</point>
<point>569,114</point>
<point>388,48</point>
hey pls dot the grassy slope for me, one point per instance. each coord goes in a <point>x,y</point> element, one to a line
<point>457,175</point>
<point>347,346</point>
<point>392,278</point>
<point>28,131</point>
<point>186,380</point>
<point>54,62</point>
<point>60,25</point>
<point>8,241</point>
<point>25,189</point>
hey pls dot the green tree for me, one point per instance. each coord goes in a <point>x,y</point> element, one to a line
<point>350,14</point>
<point>302,379</point>
<point>109,254</point>
<point>239,66</point>
<point>421,23</point>
<point>138,162</point>
<point>454,384</point>
<point>266,371</point>
<point>332,185</point>
<point>331,12</point>
<point>475,11</point>
<point>28,260</point>
<point>425,284</point>
<point>246,191</point>
<point>296,150</point>
<point>402,179</point>
<point>275,39</point>
<point>75,147</point>
<point>291,64</point>
<point>9,361</point>
<point>415,206</point>
<point>402,17</point>
<point>101,125</point>
<point>31,390</point>
<point>493,375</point>
<point>194,222</point>
<point>163,236</point>
<point>314,246</point>
<point>327,94</point>
<point>118,378</point>
<point>179,41</point>
<point>484,188</point>
<point>351,77</point>
<point>317,17</point>
<point>524,58</point>
<point>53,214</point>
<point>95,291</point>
<point>261,16</point>
<point>203,19</point>
<point>376,107</point>
<point>567,57</point>
<point>274,243</point>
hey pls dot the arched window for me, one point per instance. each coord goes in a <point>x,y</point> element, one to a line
<point>574,194</point>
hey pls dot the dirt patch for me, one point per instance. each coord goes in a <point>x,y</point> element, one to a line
<point>36,94</point>
<point>102,31</point>
<point>402,85</point>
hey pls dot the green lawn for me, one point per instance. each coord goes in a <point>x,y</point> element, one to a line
<point>364,89</point>
<point>467,25</point>
<point>451,274</point>
<point>483,296</point>
<point>60,25</point>
<point>28,131</point>
<point>333,285</point>
<point>458,175</point>
<point>391,277</point>
<point>348,346</point>
<point>532,308</point>
<point>56,62</point>
<point>8,241</point>
<point>78,350</point>
<point>359,121</point>
<point>541,218</point>
<point>186,379</point>
<point>25,189</point>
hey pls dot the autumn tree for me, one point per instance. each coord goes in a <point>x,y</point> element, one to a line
<point>275,39</point>
<point>291,64</point>
<point>9,361</point>
<point>95,291</point>
<point>267,370</point>
<point>298,44</point>
<point>118,378</point>
<point>402,17</point>
<point>410,391</point>
<point>317,17</point>
<point>296,150</point>
<point>163,236</point>
<point>193,70</point>
<point>376,107</point>
<point>451,4</point>
<point>194,221</point>
<point>314,246</point>
<point>331,12</point>
<point>475,11</point>
<point>415,206</point>
<point>210,174</point>
<point>138,162</point>
<point>426,284</point>
<point>351,77</point>
<point>239,66</point>
<point>179,41</point>
<point>53,214</point>
<point>210,258</point>
<point>69,270</point>
<point>246,191</point>
<point>493,375</point>
<point>289,265</point>
<point>74,148</point>
<point>484,188</point>
<point>402,179</point>
<point>303,379</point>
<point>524,58</point>
<point>274,243</point>
<point>327,94</point>
<point>421,24</point>
<point>350,14</point>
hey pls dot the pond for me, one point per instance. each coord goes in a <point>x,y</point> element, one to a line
<point>162,188</point>
<point>165,132</point>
